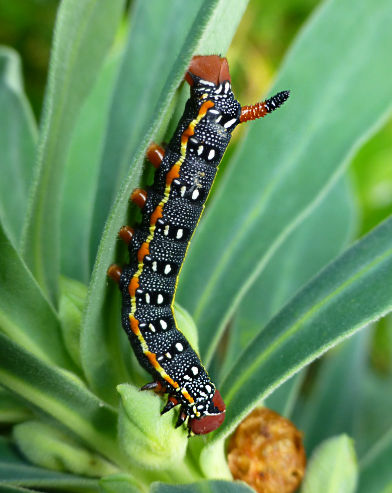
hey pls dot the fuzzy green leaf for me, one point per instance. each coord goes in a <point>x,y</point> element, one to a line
<point>60,395</point>
<point>332,468</point>
<point>289,160</point>
<point>25,314</point>
<point>352,291</point>
<point>101,361</point>
<point>84,33</point>
<point>12,409</point>
<point>18,135</point>
<point>120,483</point>
<point>15,473</point>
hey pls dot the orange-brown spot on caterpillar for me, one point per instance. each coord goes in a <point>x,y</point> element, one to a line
<point>187,396</point>
<point>212,68</point>
<point>155,154</point>
<point>152,358</point>
<point>114,272</point>
<point>134,325</point>
<point>253,112</point>
<point>139,197</point>
<point>143,251</point>
<point>189,131</point>
<point>126,234</point>
<point>156,215</point>
<point>133,285</point>
<point>173,174</point>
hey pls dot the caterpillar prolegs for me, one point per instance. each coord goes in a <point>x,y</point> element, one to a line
<point>171,209</point>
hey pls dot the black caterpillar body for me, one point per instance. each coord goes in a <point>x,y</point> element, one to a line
<point>170,213</point>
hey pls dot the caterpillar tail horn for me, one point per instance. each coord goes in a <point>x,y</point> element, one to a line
<point>261,109</point>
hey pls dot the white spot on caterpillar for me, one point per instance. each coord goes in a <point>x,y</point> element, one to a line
<point>206,82</point>
<point>187,377</point>
<point>183,190</point>
<point>203,394</point>
<point>218,119</point>
<point>152,328</point>
<point>163,324</point>
<point>208,388</point>
<point>167,269</point>
<point>159,299</point>
<point>177,182</point>
<point>214,112</point>
<point>230,123</point>
<point>195,194</point>
<point>154,266</point>
<point>166,230</point>
<point>200,150</point>
<point>168,355</point>
<point>200,406</point>
<point>227,87</point>
<point>211,154</point>
<point>195,370</point>
<point>148,298</point>
<point>219,90</point>
<point>179,347</point>
<point>179,234</point>
<point>193,140</point>
<point>160,358</point>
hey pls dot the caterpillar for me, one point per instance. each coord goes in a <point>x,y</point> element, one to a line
<point>171,210</point>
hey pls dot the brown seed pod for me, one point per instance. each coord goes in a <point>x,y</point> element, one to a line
<point>266,451</point>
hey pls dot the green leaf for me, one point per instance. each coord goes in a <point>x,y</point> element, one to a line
<point>289,160</point>
<point>25,314</point>
<point>51,448</point>
<point>144,435</point>
<point>211,486</point>
<point>60,395</point>
<point>12,409</point>
<point>81,173</point>
<point>18,135</point>
<point>332,406</point>
<point>375,466</point>
<point>100,359</point>
<point>15,471</point>
<point>308,248</point>
<point>352,291</point>
<point>120,483</point>
<point>84,33</point>
<point>332,468</point>
<point>72,299</point>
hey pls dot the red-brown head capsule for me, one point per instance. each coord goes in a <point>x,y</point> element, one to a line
<point>209,422</point>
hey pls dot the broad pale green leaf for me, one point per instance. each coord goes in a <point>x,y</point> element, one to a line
<point>60,395</point>
<point>16,471</point>
<point>26,316</point>
<point>332,468</point>
<point>81,173</point>
<point>101,360</point>
<point>347,295</point>
<point>18,135</point>
<point>332,406</point>
<point>47,446</point>
<point>84,33</point>
<point>211,486</point>
<point>308,248</point>
<point>375,467</point>
<point>289,160</point>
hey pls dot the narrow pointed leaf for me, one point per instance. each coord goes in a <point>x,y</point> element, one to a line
<point>352,291</point>
<point>211,486</point>
<point>60,395</point>
<point>18,135</point>
<point>26,316</point>
<point>84,33</point>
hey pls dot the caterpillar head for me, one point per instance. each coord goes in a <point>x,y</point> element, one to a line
<point>211,419</point>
